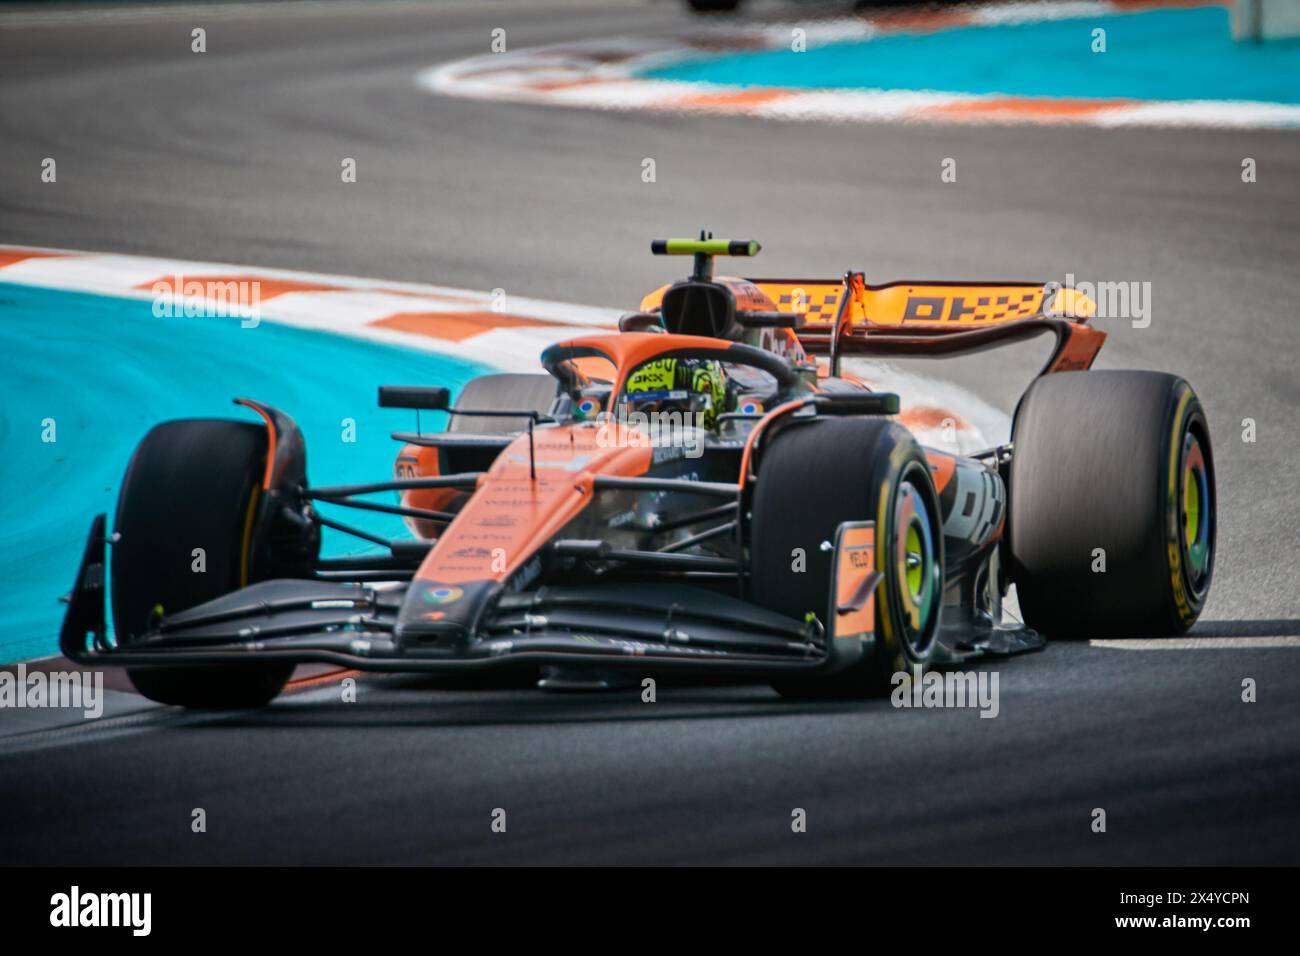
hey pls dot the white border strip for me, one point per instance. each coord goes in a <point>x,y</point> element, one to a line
<point>603,74</point>
<point>351,306</point>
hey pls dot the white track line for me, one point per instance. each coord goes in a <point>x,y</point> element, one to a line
<point>1198,643</point>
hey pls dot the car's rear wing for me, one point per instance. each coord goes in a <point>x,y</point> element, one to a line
<point>909,318</point>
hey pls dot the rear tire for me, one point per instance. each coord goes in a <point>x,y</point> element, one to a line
<point>191,484</point>
<point>815,475</point>
<point>1111,470</point>
<point>502,392</point>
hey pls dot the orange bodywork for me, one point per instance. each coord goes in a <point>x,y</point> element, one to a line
<point>630,349</point>
<point>511,515</point>
<point>942,467</point>
<point>421,461</point>
<point>272,437</point>
<point>943,305</point>
<point>855,565</point>
<point>948,305</point>
<point>923,307</point>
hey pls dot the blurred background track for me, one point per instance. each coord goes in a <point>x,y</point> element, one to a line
<point>235,155</point>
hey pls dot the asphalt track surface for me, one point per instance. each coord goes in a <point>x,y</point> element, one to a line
<point>235,155</point>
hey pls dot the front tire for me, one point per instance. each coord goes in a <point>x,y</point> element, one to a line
<point>817,474</point>
<point>191,485</point>
<point>1112,505</point>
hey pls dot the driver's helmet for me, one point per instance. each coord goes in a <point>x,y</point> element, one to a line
<point>697,386</point>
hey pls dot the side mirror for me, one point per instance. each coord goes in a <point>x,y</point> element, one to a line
<point>857,403</point>
<point>641,322</point>
<point>414,396</point>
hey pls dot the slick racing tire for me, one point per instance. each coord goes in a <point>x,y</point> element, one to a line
<point>1112,505</point>
<point>191,484</point>
<point>815,475</point>
<point>503,392</point>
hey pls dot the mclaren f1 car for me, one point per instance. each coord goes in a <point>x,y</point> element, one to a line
<point>705,490</point>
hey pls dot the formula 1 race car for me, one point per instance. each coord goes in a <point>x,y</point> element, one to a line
<point>704,490</point>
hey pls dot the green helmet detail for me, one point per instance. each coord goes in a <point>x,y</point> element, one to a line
<point>658,375</point>
<point>707,378</point>
<point>698,386</point>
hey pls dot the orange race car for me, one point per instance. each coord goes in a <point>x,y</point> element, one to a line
<point>705,490</point>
